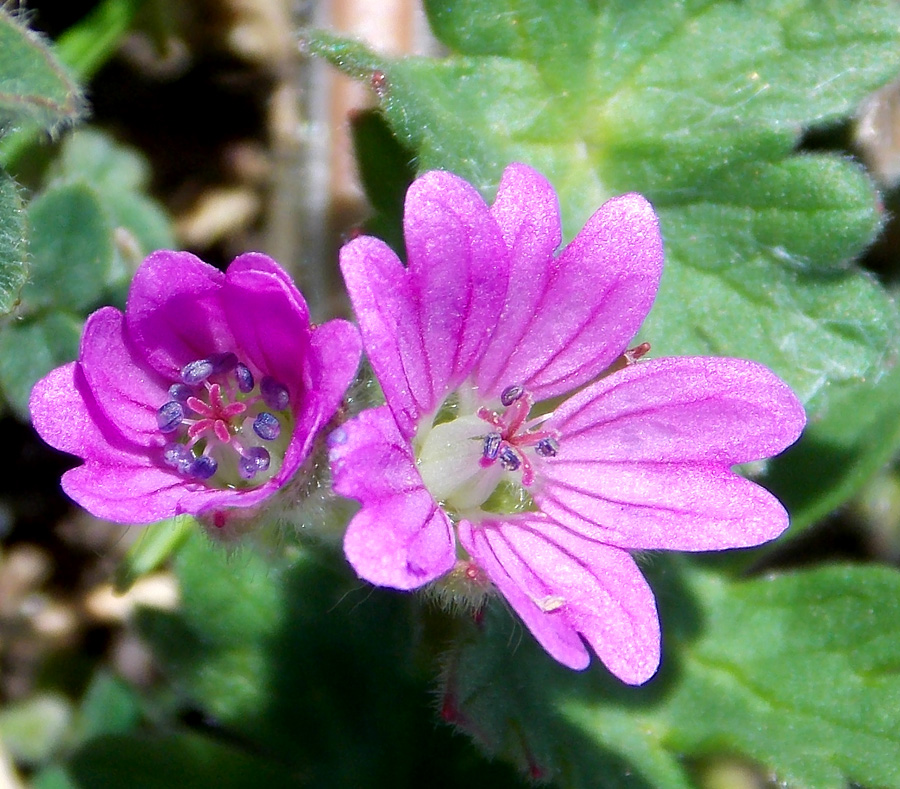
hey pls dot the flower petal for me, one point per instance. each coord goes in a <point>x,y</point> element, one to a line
<point>527,211</point>
<point>370,460</point>
<point>174,315</point>
<point>681,409</point>
<point>268,318</point>
<point>332,362</point>
<point>674,506</point>
<point>598,292</point>
<point>130,493</point>
<point>459,271</point>
<point>379,289</point>
<point>400,538</point>
<point>562,584</point>
<point>119,480</point>
<point>125,391</point>
<point>65,415</point>
<point>402,542</point>
<point>645,454</point>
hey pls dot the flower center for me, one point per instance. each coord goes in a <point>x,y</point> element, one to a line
<point>513,434</point>
<point>222,428</point>
<point>485,461</point>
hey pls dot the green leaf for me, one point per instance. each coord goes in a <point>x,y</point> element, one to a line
<point>13,265</point>
<point>184,760</point>
<point>795,673</point>
<point>155,544</point>
<point>109,706</point>
<point>32,348</point>
<point>825,468</point>
<point>291,656</point>
<point>52,778</point>
<point>700,106</point>
<point>34,85</point>
<point>84,47</point>
<point>118,176</point>
<point>93,156</point>
<point>71,246</point>
<point>33,729</point>
<point>87,45</point>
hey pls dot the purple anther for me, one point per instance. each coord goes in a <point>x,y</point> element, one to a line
<point>180,392</point>
<point>169,416</point>
<point>196,372</point>
<point>491,446</point>
<point>267,426</point>
<point>337,437</point>
<point>178,456</point>
<point>203,467</point>
<point>274,394</point>
<point>255,460</point>
<point>509,459</point>
<point>223,362</point>
<point>512,393</point>
<point>547,447</point>
<point>244,377</point>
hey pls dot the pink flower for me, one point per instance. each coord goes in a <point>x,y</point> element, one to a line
<point>476,471</point>
<point>206,395</point>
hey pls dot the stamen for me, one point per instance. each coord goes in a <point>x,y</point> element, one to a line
<point>274,394</point>
<point>203,467</point>
<point>512,393</point>
<point>222,362</point>
<point>267,426</point>
<point>547,447</point>
<point>244,377</point>
<point>629,357</point>
<point>169,416</point>
<point>180,393</point>
<point>196,372</point>
<point>178,456</point>
<point>633,354</point>
<point>255,460</point>
<point>491,446</point>
<point>209,415</point>
<point>509,459</point>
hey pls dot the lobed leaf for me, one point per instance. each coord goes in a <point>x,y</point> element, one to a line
<point>700,106</point>
<point>13,259</point>
<point>34,85</point>
<point>795,673</point>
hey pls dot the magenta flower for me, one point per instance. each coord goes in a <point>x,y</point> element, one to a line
<point>477,473</point>
<point>206,395</point>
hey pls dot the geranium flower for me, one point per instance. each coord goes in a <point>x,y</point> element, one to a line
<point>206,395</point>
<point>476,473</point>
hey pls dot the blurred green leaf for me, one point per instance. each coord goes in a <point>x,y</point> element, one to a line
<point>118,175</point>
<point>84,47</point>
<point>700,106</point>
<point>91,155</point>
<point>34,85</point>
<point>87,45</point>
<point>796,673</point>
<point>30,349</point>
<point>52,778</point>
<point>154,546</point>
<point>185,760</point>
<point>33,728</point>
<point>295,659</point>
<point>71,247</point>
<point>109,706</point>
<point>13,261</point>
